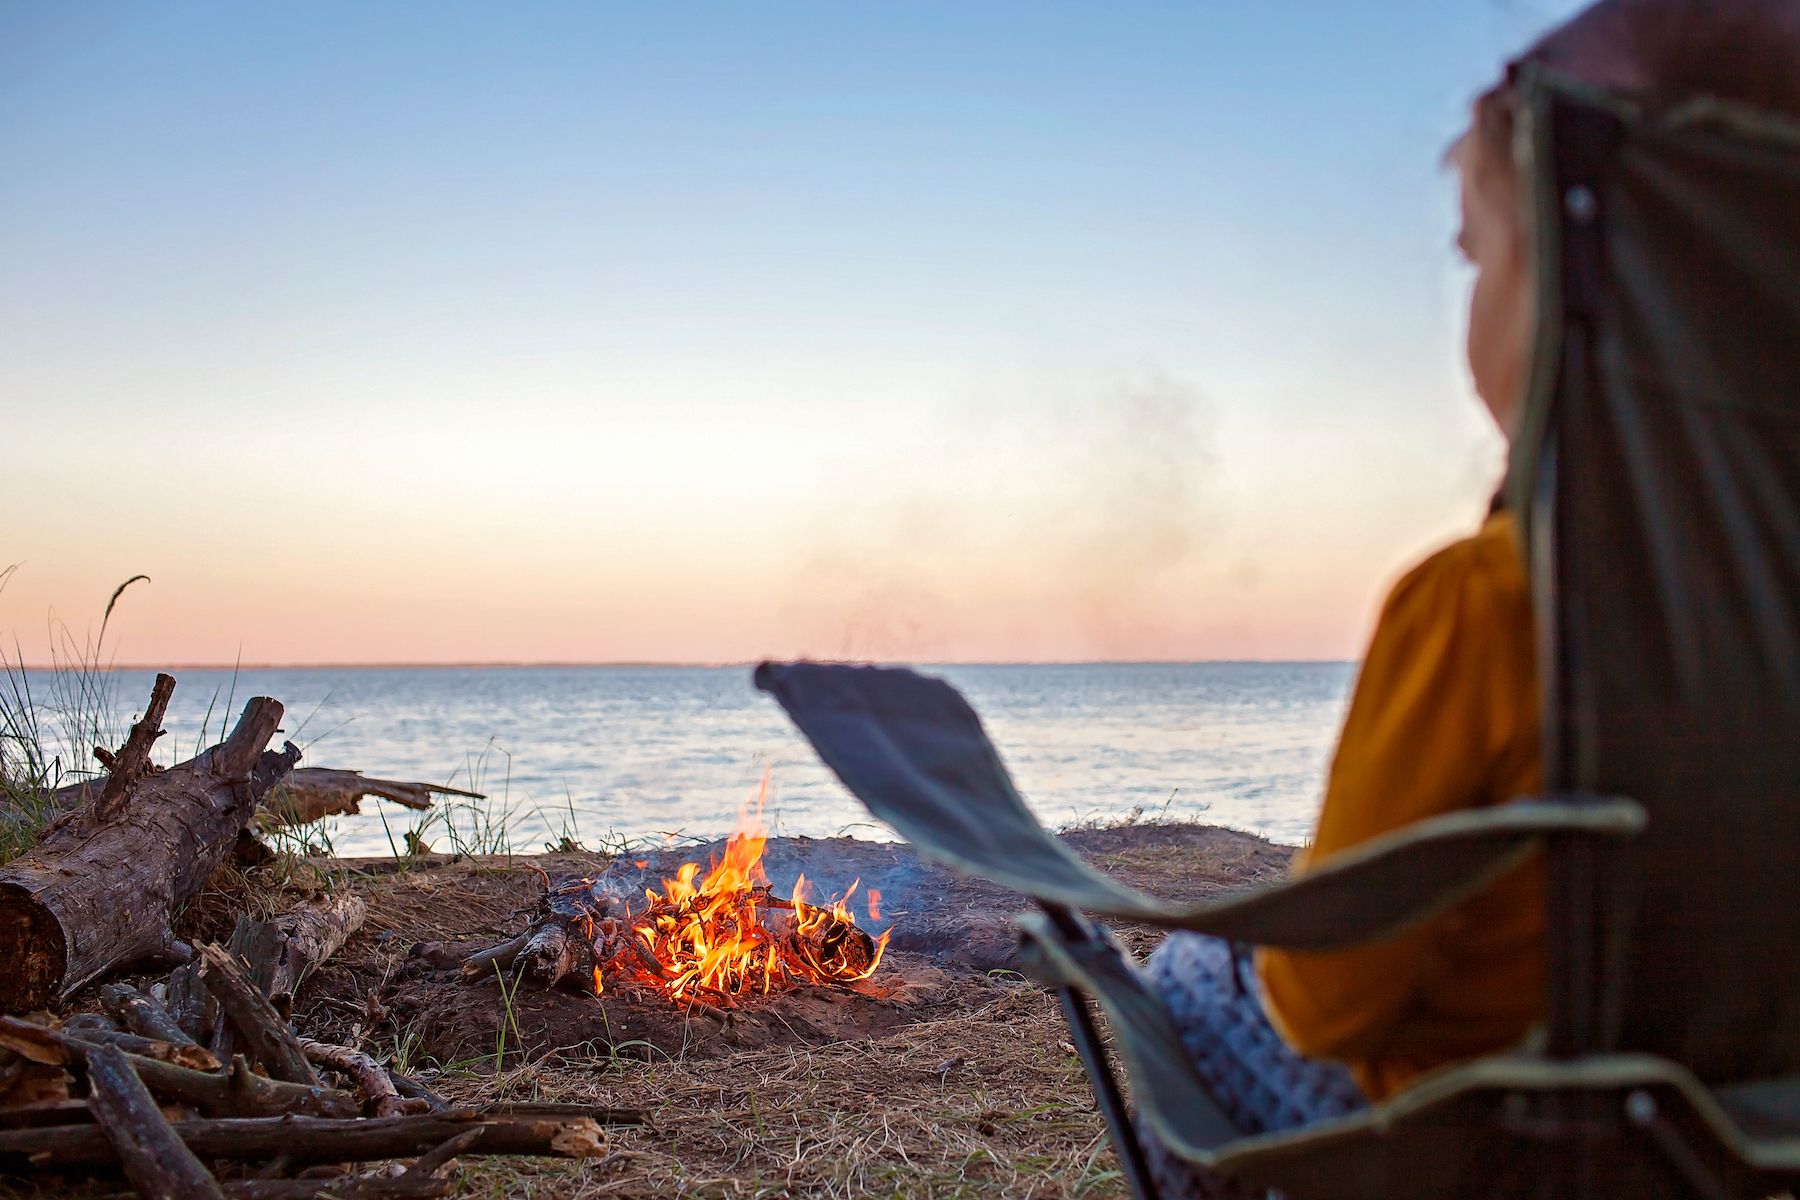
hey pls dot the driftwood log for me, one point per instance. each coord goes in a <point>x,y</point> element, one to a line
<point>155,1159</point>
<point>99,889</point>
<point>312,793</point>
<point>306,936</point>
<point>569,1131</point>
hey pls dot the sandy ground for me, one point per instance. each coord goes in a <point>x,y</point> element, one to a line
<point>946,1074</point>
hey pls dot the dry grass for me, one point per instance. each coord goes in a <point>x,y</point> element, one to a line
<point>988,1103</point>
<point>984,1097</point>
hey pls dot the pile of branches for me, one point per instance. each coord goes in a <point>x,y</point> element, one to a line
<point>198,1085</point>
<point>259,1111</point>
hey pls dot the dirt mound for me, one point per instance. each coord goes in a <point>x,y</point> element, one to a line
<point>458,1022</point>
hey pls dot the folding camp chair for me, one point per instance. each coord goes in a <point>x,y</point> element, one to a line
<point>1657,478</point>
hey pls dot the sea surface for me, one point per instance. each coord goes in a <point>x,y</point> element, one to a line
<point>653,753</point>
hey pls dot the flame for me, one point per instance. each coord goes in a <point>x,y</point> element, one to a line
<point>874,904</point>
<point>712,938</point>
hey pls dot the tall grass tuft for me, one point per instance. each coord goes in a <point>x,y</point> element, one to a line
<point>50,722</point>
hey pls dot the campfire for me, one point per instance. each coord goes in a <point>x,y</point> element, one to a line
<point>709,943</point>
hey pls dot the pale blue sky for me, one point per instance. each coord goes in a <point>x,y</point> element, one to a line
<point>687,331</point>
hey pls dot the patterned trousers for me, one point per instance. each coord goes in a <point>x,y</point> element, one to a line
<point>1261,1084</point>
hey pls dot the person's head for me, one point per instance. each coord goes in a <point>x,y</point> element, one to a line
<point>1742,50</point>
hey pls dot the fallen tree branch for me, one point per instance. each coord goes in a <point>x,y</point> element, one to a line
<point>380,1097</point>
<point>312,793</point>
<point>194,1058</point>
<point>155,1159</point>
<point>133,758</point>
<point>310,934</point>
<point>143,1015</point>
<point>307,1140</point>
<point>264,1031</point>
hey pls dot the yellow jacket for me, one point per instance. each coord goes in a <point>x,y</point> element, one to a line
<point>1445,717</point>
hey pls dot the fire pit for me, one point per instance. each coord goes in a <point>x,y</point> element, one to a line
<point>939,935</point>
<point>704,945</point>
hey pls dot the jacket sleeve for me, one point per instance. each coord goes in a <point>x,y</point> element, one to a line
<point>1433,727</point>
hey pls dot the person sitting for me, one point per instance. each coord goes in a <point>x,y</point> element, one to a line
<point>1445,711</point>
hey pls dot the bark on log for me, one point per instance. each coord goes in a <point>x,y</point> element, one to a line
<point>97,894</point>
<point>310,934</point>
<point>310,1140</point>
<point>155,1159</point>
<point>312,793</point>
<point>380,1097</point>
<point>143,1015</point>
<point>188,1001</point>
<point>260,1028</point>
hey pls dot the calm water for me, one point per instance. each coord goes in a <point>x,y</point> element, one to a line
<point>673,750</point>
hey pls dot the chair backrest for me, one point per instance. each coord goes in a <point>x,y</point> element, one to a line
<point>1657,475</point>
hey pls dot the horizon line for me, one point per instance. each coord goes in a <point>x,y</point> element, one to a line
<point>693,664</point>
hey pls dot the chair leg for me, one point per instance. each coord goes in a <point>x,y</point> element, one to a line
<point>1107,1097</point>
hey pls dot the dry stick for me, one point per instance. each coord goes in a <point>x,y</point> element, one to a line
<point>412,1089</point>
<point>501,957</point>
<point>268,1036</point>
<point>156,1160</point>
<point>367,1188</point>
<point>380,1098</point>
<point>238,1092</point>
<point>143,1015</point>
<point>308,1140</point>
<point>133,758</point>
<point>420,1179</point>
<point>192,1057</point>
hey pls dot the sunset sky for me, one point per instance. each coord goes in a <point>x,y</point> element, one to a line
<point>594,332</point>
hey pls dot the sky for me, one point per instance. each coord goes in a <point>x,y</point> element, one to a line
<point>438,332</point>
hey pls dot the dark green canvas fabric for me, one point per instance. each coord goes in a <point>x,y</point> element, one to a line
<point>1662,493</point>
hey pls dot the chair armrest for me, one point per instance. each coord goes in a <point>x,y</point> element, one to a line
<point>914,752</point>
<point>1382,886</point>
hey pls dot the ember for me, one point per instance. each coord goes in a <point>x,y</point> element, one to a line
<point>726,936</point>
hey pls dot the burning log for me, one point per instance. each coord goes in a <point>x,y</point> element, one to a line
<point>702,942</point>
<point>156,1160</point>
<point>565,1132</point>
<point>99,889</point>
<point>312,793</point>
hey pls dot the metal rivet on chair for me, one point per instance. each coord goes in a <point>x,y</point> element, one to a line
<point>1640,1106</point>
<point>1581,204</point>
